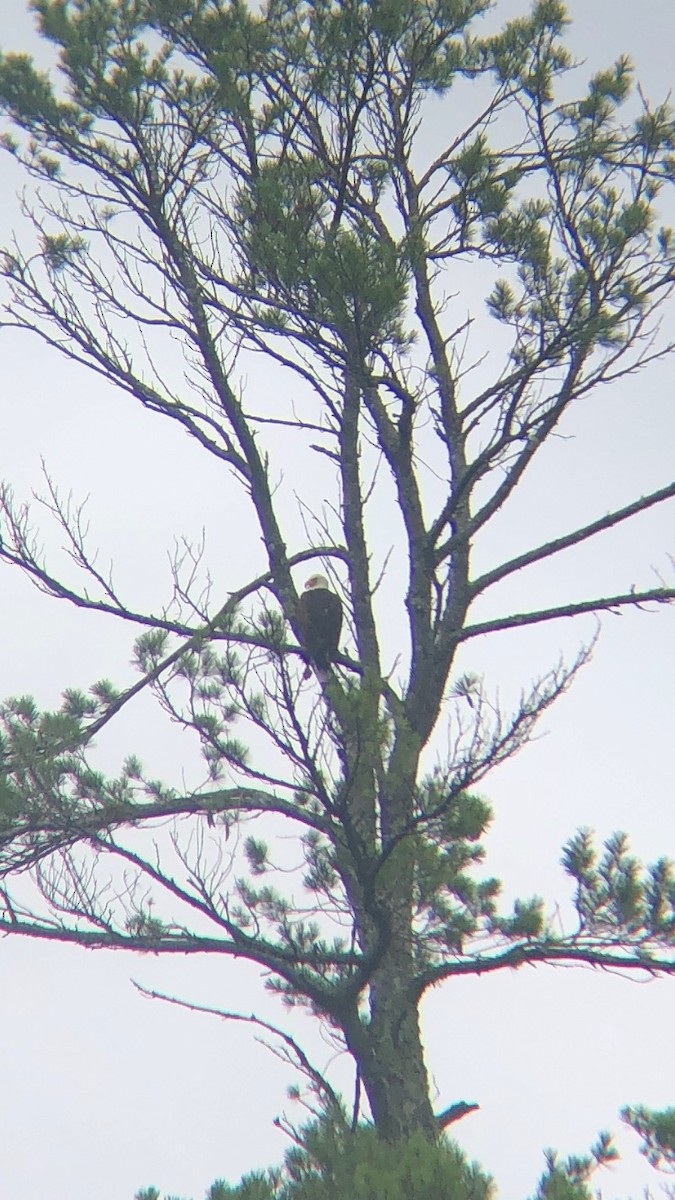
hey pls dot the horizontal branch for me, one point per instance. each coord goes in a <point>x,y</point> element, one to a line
<point>98,939</point>
<point>571,539</point>
<point>603,604</point>
<point>589,953</point>
<point>287,963</point>
<point>53,834</point>
<point>51,586</point>
<point>455,1113</point>
<point>211,630</point>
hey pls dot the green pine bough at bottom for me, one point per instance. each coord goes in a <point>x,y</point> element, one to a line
<point>331,1161</point>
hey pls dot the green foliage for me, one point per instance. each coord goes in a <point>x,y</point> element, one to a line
<point>144,926</point>
<point>614,892</point>
<point>350,280</point>
<point>48,789</point>
<point>257,853</point>
<point>509,51</point>
<point>60,250</point>
<point>569,1179</point>
<point>657,1130</point>
<point>332,1162</point>
<point>448,898</point>
<point>257,1185</point>
<point>527,919</point>
<point>152,1193</point>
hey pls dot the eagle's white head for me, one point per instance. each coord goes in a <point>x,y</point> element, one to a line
<point>317,581</point>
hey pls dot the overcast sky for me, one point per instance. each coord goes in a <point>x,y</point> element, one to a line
<point>103,1092</point>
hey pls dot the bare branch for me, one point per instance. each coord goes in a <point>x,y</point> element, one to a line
<point>571,539</point>
<point>633,599</point>
<point>297,1055</point>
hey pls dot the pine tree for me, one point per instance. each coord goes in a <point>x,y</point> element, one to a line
<point>241,181</point>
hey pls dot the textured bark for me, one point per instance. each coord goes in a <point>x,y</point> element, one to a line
<point>388,1049</point>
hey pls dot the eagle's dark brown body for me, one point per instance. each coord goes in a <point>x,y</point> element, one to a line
<point>320,619</point>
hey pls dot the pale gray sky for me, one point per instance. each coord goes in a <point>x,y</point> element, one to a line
<point>102,1092</point>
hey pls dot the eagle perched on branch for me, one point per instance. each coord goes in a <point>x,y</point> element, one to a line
<point>320,620</point>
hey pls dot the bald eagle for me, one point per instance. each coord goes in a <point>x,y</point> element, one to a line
<point>320,620</point>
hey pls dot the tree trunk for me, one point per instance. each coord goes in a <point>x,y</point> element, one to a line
<point>387,1044</point>
<point>388,1049</point>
